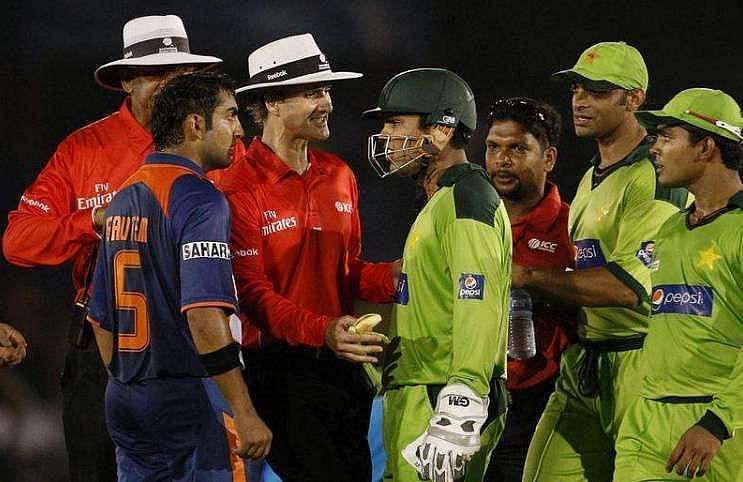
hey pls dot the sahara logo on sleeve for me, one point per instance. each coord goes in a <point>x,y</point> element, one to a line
<point>471,286</point>
<point>401,294</point>
<point>205,249</point>
<point>588,254</point>
<point>682,300</point>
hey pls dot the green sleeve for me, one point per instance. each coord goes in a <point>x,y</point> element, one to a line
<point>638,224</point>
<point>479,326</point>
<point>728,404</point>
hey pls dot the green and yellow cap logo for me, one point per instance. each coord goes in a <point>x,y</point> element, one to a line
<point>708,109</point>
<point>608,66</point>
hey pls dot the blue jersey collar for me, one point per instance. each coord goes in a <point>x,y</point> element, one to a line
<point>175,160</point>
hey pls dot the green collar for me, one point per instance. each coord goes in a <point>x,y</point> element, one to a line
<point>457,171</point>
<point>642,151</point>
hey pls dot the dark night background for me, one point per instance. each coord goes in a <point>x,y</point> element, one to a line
<point>50,50</point>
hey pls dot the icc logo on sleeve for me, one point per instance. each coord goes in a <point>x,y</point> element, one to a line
<point>471,286</point>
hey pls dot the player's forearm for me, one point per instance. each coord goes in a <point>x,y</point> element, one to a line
<point>235,391</point>
<point>210,331</point>
<point>587,287</point>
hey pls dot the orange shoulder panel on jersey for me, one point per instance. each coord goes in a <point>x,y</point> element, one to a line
<point>159,178</point>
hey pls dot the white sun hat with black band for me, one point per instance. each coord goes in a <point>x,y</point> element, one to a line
<point>291,60</point>
<point>157,40</point>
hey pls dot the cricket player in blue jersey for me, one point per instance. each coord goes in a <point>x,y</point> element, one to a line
<point>176,404</point>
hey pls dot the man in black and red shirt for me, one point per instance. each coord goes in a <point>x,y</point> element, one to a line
<point>521,150</point>
<point>296,242</point>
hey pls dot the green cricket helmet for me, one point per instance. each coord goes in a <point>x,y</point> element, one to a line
<point>439,96</point>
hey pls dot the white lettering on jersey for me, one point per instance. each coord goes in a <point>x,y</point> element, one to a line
<point>100,199</point>
<point>205,249</point>
<point>343,207</point>
<point>240,253</point>
<point>541,245</point>
<point>34,203</point>
<point>280,225</point>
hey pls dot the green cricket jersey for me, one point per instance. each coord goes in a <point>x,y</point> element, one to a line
<point>694,344</point>
<point>613,223</point>
<point>452,298</point>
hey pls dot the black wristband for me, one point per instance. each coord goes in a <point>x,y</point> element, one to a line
<point>714,425</point>
<point>222,360</point>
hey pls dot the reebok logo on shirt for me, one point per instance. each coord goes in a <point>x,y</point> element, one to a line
<point>205,249</point>
<point>471,286</point>
<point>588,254</point>
<point>682,300</point>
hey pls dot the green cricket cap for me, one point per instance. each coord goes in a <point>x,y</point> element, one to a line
<point>608,66</point>
<point>708,109</point>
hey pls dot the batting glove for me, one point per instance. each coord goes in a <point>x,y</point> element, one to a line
<point>453,435</point>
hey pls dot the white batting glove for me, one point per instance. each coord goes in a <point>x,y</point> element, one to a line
<point>453,435</point>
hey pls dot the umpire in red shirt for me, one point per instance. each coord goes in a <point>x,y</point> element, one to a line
<point>296,242</point>
<point>520,152</point>
<point>58,215</point>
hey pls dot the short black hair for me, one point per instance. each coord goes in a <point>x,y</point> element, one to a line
<point>536,117</point>
<point>731,151</point>
<point>194,93</point>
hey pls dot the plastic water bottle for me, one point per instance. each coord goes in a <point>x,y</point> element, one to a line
<point>521,343</point>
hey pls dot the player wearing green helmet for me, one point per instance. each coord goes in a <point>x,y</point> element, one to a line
<point>445,399</point>
<point>690,412</point>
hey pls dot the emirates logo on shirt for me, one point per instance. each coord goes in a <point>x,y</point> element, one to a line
<point>279,225</point>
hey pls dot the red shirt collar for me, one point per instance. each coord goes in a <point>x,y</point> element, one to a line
<point>543,216</point>
<point>273,167</point>
<point>137,132</point>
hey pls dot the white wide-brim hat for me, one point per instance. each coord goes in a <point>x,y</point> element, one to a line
<point>157,40</point>
<point>292,60</point>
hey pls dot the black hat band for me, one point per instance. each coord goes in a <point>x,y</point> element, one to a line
<point>159,45</point>
<point>291,70</point>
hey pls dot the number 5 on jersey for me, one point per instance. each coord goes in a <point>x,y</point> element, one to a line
<point>131,301</point>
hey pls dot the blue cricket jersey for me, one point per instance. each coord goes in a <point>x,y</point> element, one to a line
<point>164,250</point>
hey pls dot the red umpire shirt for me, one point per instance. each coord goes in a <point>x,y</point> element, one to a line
<point>53,222</point>
<point>541,240</point>
<point>296,242</point>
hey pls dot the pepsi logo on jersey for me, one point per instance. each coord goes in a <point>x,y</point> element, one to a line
<point>471,286</point>
<point>588,254</point>
<point>682,299</point>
